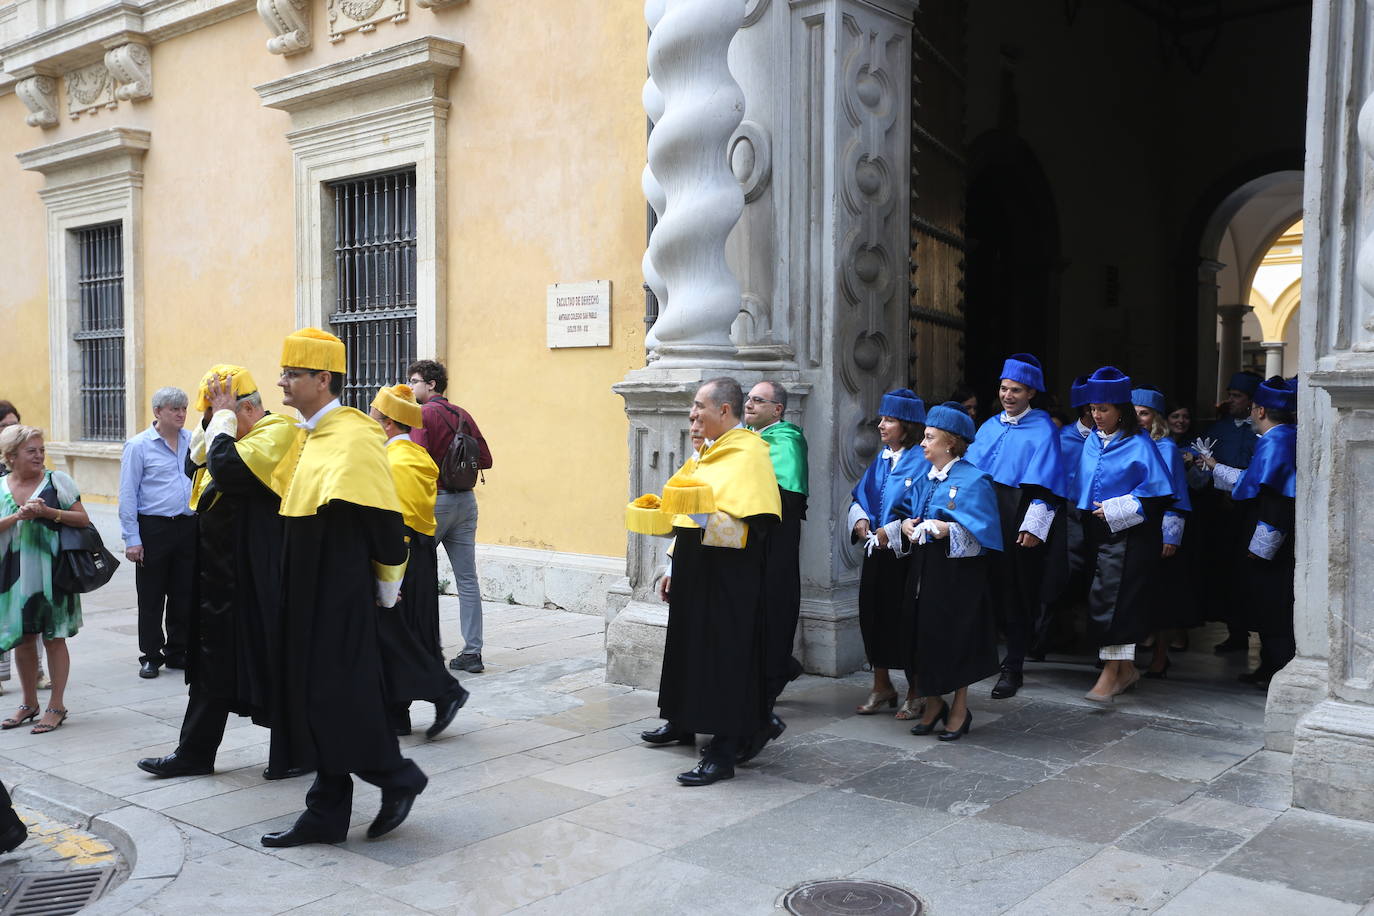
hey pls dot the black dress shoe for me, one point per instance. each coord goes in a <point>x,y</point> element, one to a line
<point>705,773</point>
<point>175,664</point>
<point>446,708</point>
<point>959,732</point>
<point>770,732</point>
<point>172,765</point>
<point>1007,684</point>
<point>390,815</point>
<point>14,837</point>
<point>667,733</point>
<point>925,728</point>
<point>289,773</point>
<point>296,835</point>
<point>148,669</point>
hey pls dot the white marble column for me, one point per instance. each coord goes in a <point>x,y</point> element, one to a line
<point>1273,357</point>
<point>1232,352</point>
<point>1329,687</point>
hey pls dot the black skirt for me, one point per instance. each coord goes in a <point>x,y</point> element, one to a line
<point>1124,568</point>
<point>882,585</point>
<point>948,606</point>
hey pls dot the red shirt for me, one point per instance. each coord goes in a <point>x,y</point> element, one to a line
<point>441,422</point>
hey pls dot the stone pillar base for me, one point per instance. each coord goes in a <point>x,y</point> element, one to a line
<point>1301,685</point>
<point>634,644</point>
<point>1333,757</point>
<point>830,633</point>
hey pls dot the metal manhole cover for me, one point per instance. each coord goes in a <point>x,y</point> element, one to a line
<point>851,898</point>
<point>56,894</point>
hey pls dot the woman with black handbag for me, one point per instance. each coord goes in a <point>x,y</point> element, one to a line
<point>35,504</point>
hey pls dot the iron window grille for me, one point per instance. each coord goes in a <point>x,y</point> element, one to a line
<point>375,282</point>
<point>100,330</point>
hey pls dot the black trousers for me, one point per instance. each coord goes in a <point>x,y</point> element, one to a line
<point>163,583</point>
<point>1017,575</point>
<point>202,728</point>
<point>329,803</point>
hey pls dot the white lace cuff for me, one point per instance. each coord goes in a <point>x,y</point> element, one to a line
<point>961,543</point>
<point>856,515</point>
<point>1122,512</point>
<point>1266,541</point>
<point>1173,528</point>
<point>1226,477</point>
<point>223,423</point>
<point>1039,518</point>
<point>894,538</point>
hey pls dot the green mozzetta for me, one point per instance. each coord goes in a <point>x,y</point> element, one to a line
<point>787,448</point>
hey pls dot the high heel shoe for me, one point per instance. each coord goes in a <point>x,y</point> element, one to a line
<point>911,709</point>
<point>875,702</point>
<point>16,721</point>
<point>42,728</point>
<point>959,732</point>
<point>1162,672</point>
<point>925,728</point>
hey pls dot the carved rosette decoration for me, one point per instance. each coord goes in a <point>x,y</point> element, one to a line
<point>653,191</point>
<point>362,15</point>
<point>289,21</point>
<point>39,95</point>
<point>702,106</point>
<point>132,68</point>
<point>89,89</point>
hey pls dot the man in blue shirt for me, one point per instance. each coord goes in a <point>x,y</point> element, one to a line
<point>159,530</point>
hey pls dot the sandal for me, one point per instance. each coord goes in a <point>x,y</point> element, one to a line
<point>876,701</point>
<point>42,728</point>
<point>16,721</point>
<point>911,709</point>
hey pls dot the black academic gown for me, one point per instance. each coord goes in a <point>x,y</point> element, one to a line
<point>1123,567</point>
<point>713,666</point>
<point>951,634</point>
<point>1268,584</point>
<point>234,641</point>
<point>332,693</point>
<point>782,592</point>
<point>412,660</point>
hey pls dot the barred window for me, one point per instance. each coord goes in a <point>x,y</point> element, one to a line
<point>374,264</point>
<point>100,330</point>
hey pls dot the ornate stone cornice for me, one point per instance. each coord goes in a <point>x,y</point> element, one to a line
<point>93,149</point>
<point>429,58</point>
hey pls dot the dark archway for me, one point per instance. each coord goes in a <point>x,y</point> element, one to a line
<point>1013,264</point>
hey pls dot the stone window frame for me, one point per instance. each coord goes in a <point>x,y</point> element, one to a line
<point>384,110</point>
<point>92,179</point>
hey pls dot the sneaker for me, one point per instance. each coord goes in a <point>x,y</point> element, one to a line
<point>470,662</point>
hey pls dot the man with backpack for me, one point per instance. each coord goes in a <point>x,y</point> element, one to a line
<point>452,438</point>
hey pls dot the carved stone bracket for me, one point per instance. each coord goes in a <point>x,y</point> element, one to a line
<point>39,95</point>
<point>289,21</point>
<point>132,68</point>
<point>438,4</point>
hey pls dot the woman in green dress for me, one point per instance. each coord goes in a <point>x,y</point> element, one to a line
<point>34,504</point>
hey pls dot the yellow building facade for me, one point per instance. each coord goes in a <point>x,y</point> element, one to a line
<point>213,142</point>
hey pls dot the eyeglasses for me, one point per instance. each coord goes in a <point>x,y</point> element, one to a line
<point>294,374</point>
<point>753,400</point>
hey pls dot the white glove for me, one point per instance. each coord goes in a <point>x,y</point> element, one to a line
<point>927,530</point>
<point>1204,446</point>
<point>870,544</point>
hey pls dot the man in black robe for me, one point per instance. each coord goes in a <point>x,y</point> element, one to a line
<point>237,586</point>
<point>344,558</point>
<point>713,668</point>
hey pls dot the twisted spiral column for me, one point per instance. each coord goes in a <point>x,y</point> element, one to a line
<point>701,107</point>
<point>653,191</point>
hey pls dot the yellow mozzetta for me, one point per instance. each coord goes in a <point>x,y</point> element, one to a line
<point>740,474</point>
<point>417,483</point>
<point>261,449</point>
<point>346,461</point>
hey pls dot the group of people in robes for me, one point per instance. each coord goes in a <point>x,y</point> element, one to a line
<point>316,592</point>
<point>967,533</point>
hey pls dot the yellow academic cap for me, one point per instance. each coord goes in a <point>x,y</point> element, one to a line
<point>645,516</point>
<point>243,384</point>
<point>684,495</point>
<point>398,402</point>
<point>311,348</point>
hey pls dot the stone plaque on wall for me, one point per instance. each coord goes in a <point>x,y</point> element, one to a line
<point>89,89</point>
<point>362,15</point>
<point>580,314</point>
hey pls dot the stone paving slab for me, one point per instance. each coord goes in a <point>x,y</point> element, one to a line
<point>542,799</point>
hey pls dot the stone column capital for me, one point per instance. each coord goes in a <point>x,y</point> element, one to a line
<point>1233,312</point>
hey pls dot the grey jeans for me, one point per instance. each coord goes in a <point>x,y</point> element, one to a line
<point>456,517</point>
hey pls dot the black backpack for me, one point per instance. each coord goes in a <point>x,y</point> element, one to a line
<point>460,468</point>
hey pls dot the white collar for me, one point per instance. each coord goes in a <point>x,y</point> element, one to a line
<point>893,456</point>
<point>1243,422</point>
<point>941,473</point>
<point>1013,421</point>
<point>398,437</point>
<point>1082,430</point>
<point>1108,439</point>
<point>310,423</point>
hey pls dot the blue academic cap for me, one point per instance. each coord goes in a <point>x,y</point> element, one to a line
<point>1278,393</point>
<point>952,418</point>
<point>903,404</point>
<point>1148,397</point>
<point>1024,368</point>
<point>1108,385</point>
<point>1244,381</point>
<point>1077,397</point>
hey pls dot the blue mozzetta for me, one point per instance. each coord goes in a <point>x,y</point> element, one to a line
<point>965,497</point>
<point>1126,466</point>
<point>882,485</point>
<point>1274,465</point>
<point>1021,454</point>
